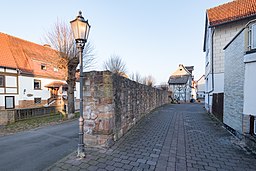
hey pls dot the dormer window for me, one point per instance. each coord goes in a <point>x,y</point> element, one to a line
<point>55,69</point>
<point>43,67</point>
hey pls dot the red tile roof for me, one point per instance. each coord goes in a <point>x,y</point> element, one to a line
<point>26,56</point>
<point>56,84</point>
<point>232,11</point>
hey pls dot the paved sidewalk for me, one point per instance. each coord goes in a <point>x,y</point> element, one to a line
<point>174,137</point>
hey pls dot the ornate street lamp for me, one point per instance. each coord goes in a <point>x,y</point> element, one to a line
<point>80,29</point>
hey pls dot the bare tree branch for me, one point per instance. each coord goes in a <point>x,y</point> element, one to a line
<point>149,80</point>
<point>136,77</point>
<point>116,65</point>
<point>89,56</point>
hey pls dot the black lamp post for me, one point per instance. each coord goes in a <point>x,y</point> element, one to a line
<point>80,29</point>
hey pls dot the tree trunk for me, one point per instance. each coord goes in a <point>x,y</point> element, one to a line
<point>71,80</point>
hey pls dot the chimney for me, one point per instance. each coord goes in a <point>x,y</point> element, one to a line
<point>47,45</point>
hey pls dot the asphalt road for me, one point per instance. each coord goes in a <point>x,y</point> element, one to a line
<point>37,149</point>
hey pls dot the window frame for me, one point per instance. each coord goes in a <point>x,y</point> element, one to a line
<point>35,80</point>
<point>43,67</point>
<point>13,102</point>
<point>252,37</point>
<point>37,99</point>
<point>2,76</point>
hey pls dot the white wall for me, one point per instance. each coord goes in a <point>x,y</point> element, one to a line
<point>2,99</point>
<point>249,84</point>
<point>219,83</point>
<point>77,92</point>
<point>11,84</point>
<point>208,75</point>
<point>201,87</point>
<point>27,87</point>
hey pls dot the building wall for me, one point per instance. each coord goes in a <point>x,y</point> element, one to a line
<point>184,95</point>
<point>208,97</point>
<point>234,84</point>
<point>113,104</point>
<point>27,93</point>
<point>27,87</point>
<point>24,98</point>
<point>200,88</point>
<point>77,96</point>
<point>218,83</point>
<point>223,34</point>
<point>249,84</point>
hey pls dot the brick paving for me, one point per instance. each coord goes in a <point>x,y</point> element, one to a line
<point>172,138</point>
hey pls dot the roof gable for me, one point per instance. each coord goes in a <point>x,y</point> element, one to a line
<point>232,11</point>
<point>27,57</point>
<point>181,75</point>
<point>181,71</point>
<point>178,79</point>
<point>190,69</point>
<point>5,53</point>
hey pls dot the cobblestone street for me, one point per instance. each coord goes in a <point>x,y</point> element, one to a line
<point>174,137</point>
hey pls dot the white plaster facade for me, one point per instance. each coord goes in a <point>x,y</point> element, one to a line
<point>22,88</point>
<point>200,88</point>
<point>249,84</point>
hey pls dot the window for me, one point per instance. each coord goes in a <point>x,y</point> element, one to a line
<point>37,100</point>
<point>37,84</point>
<point>1,80</point>
<point>252,37</point>
<point>9,102</point>
<point>65,88</point>
<point>43,67</point>
<point>55,69</point>
<point>254,126</point>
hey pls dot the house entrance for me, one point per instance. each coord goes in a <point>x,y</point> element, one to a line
<point>54,92</point>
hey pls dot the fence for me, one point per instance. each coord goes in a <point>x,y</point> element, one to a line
<point>21,114</point>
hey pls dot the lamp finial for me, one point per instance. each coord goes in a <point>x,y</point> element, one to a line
<point>80,13</point>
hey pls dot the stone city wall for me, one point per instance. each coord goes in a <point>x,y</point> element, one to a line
<point>113,104</point>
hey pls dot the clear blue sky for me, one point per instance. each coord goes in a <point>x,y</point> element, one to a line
<point>153,37</point>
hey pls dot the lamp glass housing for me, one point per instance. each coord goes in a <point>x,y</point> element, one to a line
<point>80,28</point>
